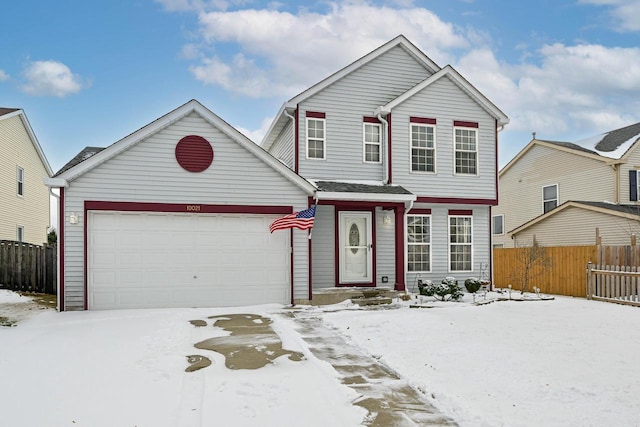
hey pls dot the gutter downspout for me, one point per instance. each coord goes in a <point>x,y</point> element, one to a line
<point>60,237</point>
<point>295,155</point>
<point>385,165</point>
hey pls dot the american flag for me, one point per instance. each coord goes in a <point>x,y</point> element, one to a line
<point>302,220</point>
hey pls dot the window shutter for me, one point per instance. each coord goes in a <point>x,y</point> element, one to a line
<point>633,185</point>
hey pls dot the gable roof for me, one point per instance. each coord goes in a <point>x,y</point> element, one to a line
<point>79,158</point>
<point>567,147</point>
<point>7,113</point>
<point>82,164</point>
<point>614,144</point>
<point>449,72</point>
<point>619,210</point>
<point>282,116</point>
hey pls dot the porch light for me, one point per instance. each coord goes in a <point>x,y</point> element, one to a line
<point>386,219</point>
<point>73,218</point>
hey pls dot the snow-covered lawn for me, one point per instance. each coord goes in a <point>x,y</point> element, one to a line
<point>566,362</point>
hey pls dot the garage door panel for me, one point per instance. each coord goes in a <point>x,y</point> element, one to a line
<point>141,260</point>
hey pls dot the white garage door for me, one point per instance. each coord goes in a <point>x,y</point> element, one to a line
<point>140,260</point>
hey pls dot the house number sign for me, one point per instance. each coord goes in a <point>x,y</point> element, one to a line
<point>193,208</point>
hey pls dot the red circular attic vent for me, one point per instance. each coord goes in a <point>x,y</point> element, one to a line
<point>194,153</point>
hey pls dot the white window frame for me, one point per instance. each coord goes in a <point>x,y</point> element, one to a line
<point>451,244</point>
<point>323,140</point>
<point>411,147</point>
<point>427,216</point>
<point>493,225</point>
<point>20,233</point>
<point>366,143</point>
<point>456,150</point>
<point>557,198</point>
<point>20,181</point>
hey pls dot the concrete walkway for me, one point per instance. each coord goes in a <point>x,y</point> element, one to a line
<point>390,401</point>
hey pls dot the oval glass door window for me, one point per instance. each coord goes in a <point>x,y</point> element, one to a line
<point>354,237</point>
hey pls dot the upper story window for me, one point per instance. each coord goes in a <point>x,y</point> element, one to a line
<point>20,181</point>
<point>466,147</point>
<point>549,197</point>
<point>419,243</point>
<point>423,148</point>
<point>498,224</point>
<point>316,135</point>
<point>460,241</point>
<point>372,140</point>
<point>634,185</point>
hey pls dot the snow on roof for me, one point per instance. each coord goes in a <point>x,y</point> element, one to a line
<point>613,144</point>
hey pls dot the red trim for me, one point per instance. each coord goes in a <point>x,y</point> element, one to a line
<point>491,249</point>
<point>465,124</point>
<point>95,205</point>
<point>297,140</point>
<point>420,212</point>
<point>61,239</point>
<point>424,120</point>
<point>399,243</point>
<point>367,119</point>
<point>351,208</point>
<point>315,115</point>
<point>457,201</point>
<point>389,151</point>
<point>85,273</point>
<point>460,212</point>
<point>496,165</point>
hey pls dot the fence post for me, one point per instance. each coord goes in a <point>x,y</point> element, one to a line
<point>589,268</point>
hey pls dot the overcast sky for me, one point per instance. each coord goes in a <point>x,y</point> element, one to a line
<point>88,73</point>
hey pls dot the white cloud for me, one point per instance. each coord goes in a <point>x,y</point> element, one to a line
<point>626,13</point>
<point>282,53</point>
<point>3,76</point>
<point>257,135</point>
<point>51,78</point>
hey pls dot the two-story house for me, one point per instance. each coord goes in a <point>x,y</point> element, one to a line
<point>568,194</point>
<point>24,199</point>
<point>403,154</point>
<point>397,154</point>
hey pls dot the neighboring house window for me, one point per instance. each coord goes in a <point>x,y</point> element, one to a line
<point>634,182</point>
<point>20,179</point>
<point>372,142</point>
<point>423,149</point>
<point>466,148</point>
<point>498,245</point>
<point>419,243</point>
<point>549,197</point>
<point>460,242</point>
<point>498,224</point>
<point>20,233</point>
<point>316,139</point>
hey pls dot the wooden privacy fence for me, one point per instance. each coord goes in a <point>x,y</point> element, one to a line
<point>563,274</point>
<point>28,268</point>
<point>613,284</point>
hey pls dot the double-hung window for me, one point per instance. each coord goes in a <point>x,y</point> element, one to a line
<point>419,243</point>
<point>466,147</point>
<point>20,233</point>
<point>549,197</point>
<point>460,241</point>
<point>423,144</point>
<point>498,224</point>
<point>316,136</point>
<point>20,182</point>
<point>372,140</point>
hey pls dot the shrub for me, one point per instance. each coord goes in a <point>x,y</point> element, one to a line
<point>447,290</point>
<point>426,288</point>
<point>472,284</point>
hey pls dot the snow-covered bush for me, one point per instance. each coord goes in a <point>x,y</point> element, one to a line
<point>472,284</point>
<point>448,289</point>
<point>426,288</point>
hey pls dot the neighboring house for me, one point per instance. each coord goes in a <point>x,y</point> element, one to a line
<point>398,154</point>
<point>561,192</point>
<point>403,153</point>
<point>24,199</point>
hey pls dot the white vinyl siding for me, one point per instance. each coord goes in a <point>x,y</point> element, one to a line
<point>371,143</point>
<point>345,102</point>
<point>316,139</point>
<point>419,243</point>
<point>466,150</point>
<point>549,198</point>
<point>460,243</point>
<point>32,210</point>
<point>283,148</point>
<point>445,102</point>
<point>323,247</point>
<point>423,148</point>
<point>148,172</point>
<point>385,249</point>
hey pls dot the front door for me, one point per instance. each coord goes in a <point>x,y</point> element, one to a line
<point>356,248</point>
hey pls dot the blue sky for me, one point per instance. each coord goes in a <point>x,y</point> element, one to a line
<point>88,73</point>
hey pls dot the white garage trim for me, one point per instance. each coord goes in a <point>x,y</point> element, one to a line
<point>211,285</point>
